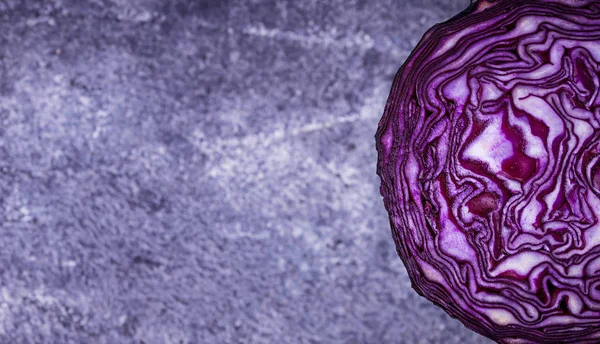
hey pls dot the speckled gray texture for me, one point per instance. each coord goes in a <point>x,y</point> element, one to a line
<point>203,172</point>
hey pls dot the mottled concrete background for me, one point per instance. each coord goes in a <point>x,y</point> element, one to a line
<point>203,172</point>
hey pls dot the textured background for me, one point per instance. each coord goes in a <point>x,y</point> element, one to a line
<point>203,172</point>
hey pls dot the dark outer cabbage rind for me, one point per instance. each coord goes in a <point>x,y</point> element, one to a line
<point>395,146</point>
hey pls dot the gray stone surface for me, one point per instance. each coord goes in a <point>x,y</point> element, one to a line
<point>203,172</point>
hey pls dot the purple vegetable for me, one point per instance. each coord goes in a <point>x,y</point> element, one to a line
<point>489,158</point>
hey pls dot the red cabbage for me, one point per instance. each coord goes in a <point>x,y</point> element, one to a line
<point>489,159</point>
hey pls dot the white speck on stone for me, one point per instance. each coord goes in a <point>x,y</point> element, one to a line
<point>69,263</point>
<point>234,56</point>
<point>58,78</point>
<point>143,17</point>
<point>6,295</point>
<point>360,41</point>
<point>40,20</point>
<point>122,319</point>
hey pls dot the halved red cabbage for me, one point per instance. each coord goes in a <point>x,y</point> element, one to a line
<point>489,158</point>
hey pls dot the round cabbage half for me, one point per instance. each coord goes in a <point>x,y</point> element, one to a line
<point>489,158</point>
